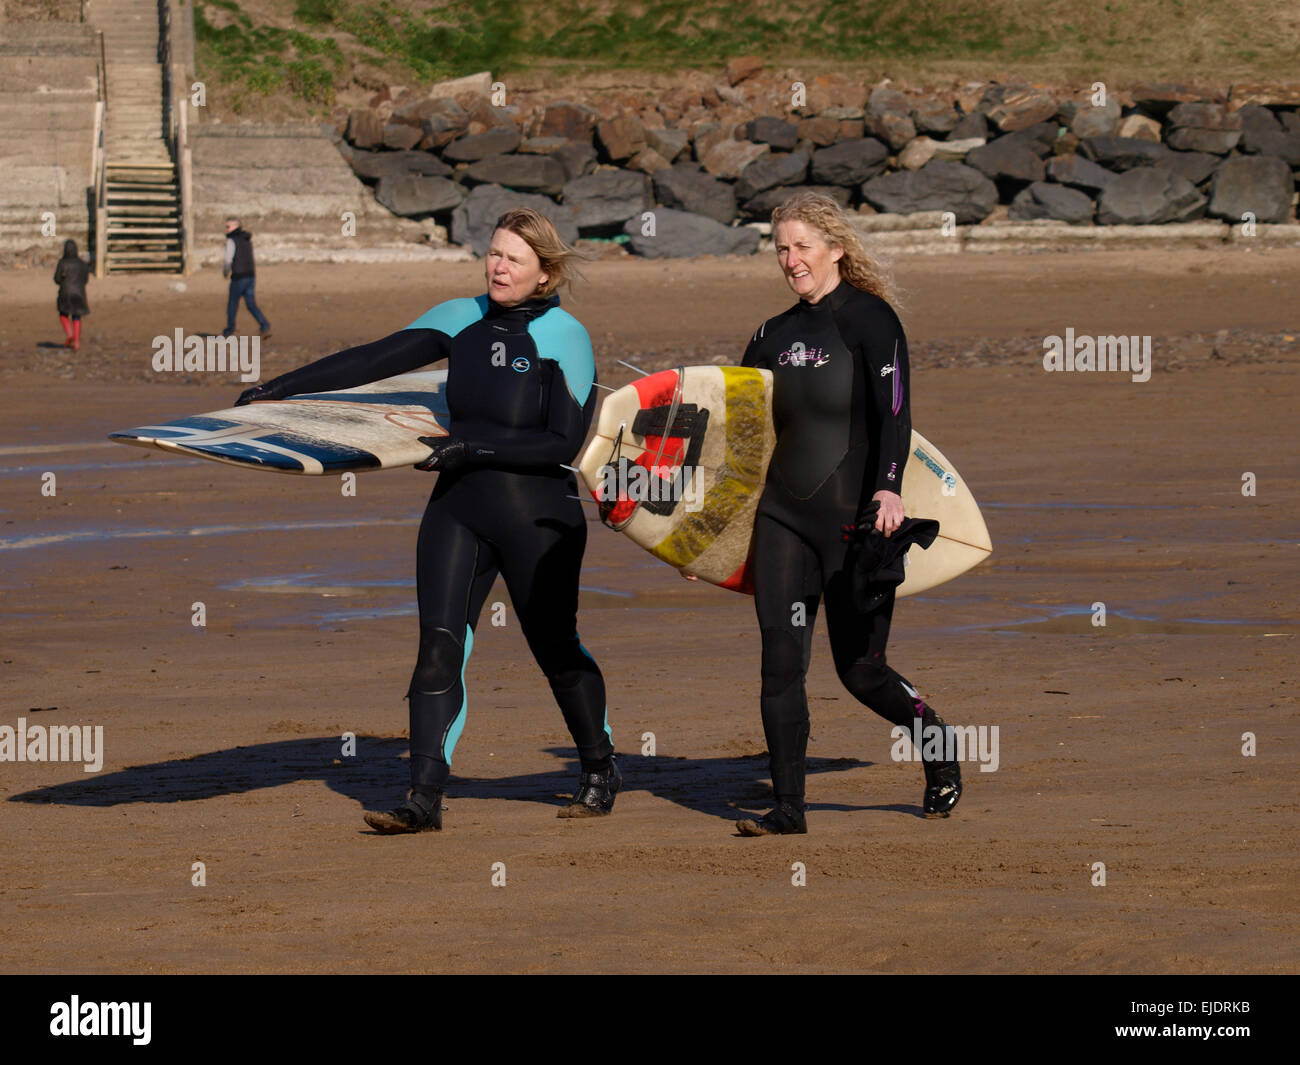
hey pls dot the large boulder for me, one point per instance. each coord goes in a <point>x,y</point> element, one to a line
<point>620,137</point>
<point>1079,173</point>
<point>670,143</point>
<point>607,198</point>
<point>934,116</point>
<point>953,148</point>
<point>770,171</point>
<point>1045,200</point>
<point>972,125</point>
<point>680,235</point>
<point>1160,98</point>
<point>1149,195</point>
<point>820,132</point>
<point>760,208</point>
<point>414,195</point>
<point>577,158</point>
<point>940,185</point>
<point>528,173</point>
<point>850,162</point>
<point>1122,153</point>
<point>474,220</point>
<point>440,119</point>
<point>728,158</point>
<point>563,118</point>
<point>478,146</point>
<point>688,188</point>
<point>1282,143</point>
<point>1196,167</point>
<point>1041,138</point>
<point>1007,161</point>
<point>1203,127</point>
<point>1096,121</point>
<point>1139,127</point>
<point>895,128</point>
<point>1013,107</point>
<point>777,132</point>
<point>1255,120</point>
<point>370,167</point>
<point>365,129</point>
<point>1260,184</point>
<point>647,161</point>
<point>401,136</point>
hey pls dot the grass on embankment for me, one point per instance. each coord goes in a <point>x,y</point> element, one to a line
<point>307,49</point>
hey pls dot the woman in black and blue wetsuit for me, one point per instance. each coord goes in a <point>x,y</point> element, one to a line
<point>840,405</point>
<point>520,393</point>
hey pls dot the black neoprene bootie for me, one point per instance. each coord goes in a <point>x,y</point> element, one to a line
<point>595,794</point>
<point>942,779</point>
<point>786,819</point>
<point>420,813</point>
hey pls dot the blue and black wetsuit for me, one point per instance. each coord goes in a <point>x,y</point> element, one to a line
<point>843,431</point>
<point>520,393</point>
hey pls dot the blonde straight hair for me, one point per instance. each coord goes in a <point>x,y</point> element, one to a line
<point>558,260</point>
<point>858,267</point>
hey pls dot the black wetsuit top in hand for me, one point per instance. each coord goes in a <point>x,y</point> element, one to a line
<point>840,407</point>
<point>520,392</point>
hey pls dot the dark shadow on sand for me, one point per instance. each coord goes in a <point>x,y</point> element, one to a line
<point>376,777</point>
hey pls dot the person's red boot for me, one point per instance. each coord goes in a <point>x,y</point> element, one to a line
<point>76,334</point>
<point>66,322</point>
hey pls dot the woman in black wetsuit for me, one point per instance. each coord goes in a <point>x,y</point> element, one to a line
<point>520,392</point>
<point>840,404</point>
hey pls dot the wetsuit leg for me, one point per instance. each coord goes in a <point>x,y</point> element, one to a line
<point>787,578</point>
<point>541,563</point>
<point>454,573</point>
<point>858,647</point>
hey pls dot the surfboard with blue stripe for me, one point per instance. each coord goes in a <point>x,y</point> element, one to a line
<point>375,426</point>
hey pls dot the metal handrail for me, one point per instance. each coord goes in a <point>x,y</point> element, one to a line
<point>183,170</point>
<point>165,61</point>
<point>98,163</point>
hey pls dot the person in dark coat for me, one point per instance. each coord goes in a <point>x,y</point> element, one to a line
<point>239,268</point>
<point>71,275</point>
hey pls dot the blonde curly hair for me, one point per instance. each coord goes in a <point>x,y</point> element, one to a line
<point>858,267</point>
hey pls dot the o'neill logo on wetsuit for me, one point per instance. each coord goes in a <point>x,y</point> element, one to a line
<point>520,365</point>
<point>798,355</point>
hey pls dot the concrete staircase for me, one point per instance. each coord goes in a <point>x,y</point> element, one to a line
<point>143,218</point>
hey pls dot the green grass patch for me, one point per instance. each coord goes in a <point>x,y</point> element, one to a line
<point>265,59</point>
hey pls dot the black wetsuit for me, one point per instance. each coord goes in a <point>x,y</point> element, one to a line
<point>520,393</point>
<point>841,412</point>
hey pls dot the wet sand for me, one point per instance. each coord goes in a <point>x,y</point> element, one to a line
<point>1119,744</point>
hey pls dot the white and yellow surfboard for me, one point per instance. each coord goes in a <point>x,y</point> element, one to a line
<point>678,464</point>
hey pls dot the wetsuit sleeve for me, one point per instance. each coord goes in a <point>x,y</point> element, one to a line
<point>880,343</point>
<point>567,422</point>
<point>401,352</point>
<point>752,356</point>
<point>424,341</point>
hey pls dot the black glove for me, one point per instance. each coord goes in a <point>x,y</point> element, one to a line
<point>863,526</point>
<point>258,392</point>
<point>448,455</point>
